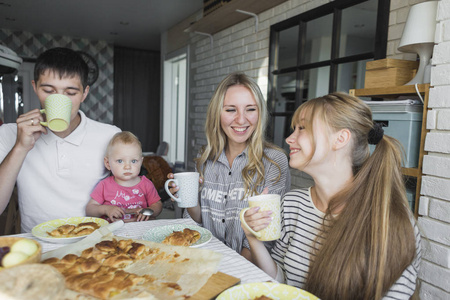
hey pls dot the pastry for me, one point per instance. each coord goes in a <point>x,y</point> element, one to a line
<point>116,268</point>
<point>99,271</point>
<point>69,230</point>
<point>62,230</point>
<point>186,237</point>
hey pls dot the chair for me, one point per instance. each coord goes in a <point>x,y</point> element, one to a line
<point>12,223</point>
<point>157,170</point>
<point>162,149</point>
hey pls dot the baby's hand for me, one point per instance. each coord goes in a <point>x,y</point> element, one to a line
<point>114,213</point>
<point>137,216</point>
<point>141,217</point>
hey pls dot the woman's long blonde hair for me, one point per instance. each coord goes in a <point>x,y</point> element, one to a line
<point>217,139</point>
<point>368,245</point>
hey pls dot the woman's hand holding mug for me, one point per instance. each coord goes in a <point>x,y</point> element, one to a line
<point>186,185</point>
<point>173,188</point>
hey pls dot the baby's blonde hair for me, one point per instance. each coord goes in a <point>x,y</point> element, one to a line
<point>124,137</point>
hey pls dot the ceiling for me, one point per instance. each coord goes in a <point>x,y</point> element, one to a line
<point>127,23</point>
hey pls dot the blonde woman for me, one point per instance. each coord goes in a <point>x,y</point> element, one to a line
<point>236,162</point>
<point>351,235</point>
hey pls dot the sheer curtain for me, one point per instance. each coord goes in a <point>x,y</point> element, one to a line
<point>136,94</point>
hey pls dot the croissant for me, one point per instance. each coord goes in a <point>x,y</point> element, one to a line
<point>186,237</point>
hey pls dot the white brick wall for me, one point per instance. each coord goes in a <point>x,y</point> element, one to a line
<point>240,48</point>
<point>236,48</point>
<point>434,212</point>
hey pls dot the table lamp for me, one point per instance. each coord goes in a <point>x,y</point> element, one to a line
<point>418,36</point>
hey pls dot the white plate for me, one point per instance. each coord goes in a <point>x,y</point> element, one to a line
<point>276,291</point>
<point>40,231</point>
<point>158,234</point>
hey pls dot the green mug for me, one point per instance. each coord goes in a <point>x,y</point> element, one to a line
<point>58,109</point>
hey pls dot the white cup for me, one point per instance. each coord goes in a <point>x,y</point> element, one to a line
<point>188,192</point>
<point>265,202</point>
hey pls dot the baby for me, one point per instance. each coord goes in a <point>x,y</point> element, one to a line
<point>125,193</point>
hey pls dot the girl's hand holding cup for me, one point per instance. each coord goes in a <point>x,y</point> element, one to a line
<point>263,217</point>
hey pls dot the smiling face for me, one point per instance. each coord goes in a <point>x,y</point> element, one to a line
<point>125,161</point>
<point>50,83</point>
<point>309,152</point>
<point>239,116</point>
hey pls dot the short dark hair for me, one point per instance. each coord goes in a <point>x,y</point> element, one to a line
<point>64,62</point>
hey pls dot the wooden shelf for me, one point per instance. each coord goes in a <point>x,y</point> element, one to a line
<point>227,16</point>
<point>392,91</point>
<point>413,172</point>
<point>395,91</point>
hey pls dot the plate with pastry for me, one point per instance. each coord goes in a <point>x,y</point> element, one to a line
<point>179,235</point>
<point>67,230</point>
<point>265,291</point>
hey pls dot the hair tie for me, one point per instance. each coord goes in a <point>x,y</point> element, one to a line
<point>375,134</point>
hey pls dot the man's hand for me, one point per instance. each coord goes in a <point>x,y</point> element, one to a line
<point>29,129</point>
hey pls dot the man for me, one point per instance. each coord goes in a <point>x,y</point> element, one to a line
<point>55,171</point>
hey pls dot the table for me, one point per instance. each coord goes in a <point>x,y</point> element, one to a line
<point>232,263</point>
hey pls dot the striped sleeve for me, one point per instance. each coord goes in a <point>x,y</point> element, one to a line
<point>301,222</point>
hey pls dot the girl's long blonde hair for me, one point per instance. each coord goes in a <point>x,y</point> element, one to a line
<point>368,245</point>
<point>217,139</point>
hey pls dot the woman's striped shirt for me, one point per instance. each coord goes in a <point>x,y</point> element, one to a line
<point>293,252</point>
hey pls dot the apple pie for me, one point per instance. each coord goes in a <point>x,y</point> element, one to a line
<point>187,237</point>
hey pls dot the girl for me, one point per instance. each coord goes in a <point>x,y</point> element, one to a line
<point>350,236</point>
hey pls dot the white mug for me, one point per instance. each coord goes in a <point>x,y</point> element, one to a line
<point>265,202</point>
<point>188,192</point>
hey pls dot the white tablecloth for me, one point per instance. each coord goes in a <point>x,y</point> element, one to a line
<point>232,263</point>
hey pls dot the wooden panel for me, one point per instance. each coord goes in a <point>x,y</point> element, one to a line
<point>216,284</point>
<point>388,77</point>
<point>391,63</point>
<point>227,16</point>
<point>176,37</point>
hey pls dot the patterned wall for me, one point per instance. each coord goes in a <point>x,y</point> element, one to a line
<point>99,103</point>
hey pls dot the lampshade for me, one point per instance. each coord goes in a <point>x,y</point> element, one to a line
<point>418,35</point>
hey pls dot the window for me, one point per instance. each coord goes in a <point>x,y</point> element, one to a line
<point>175,105</point>
<point>321,51</point>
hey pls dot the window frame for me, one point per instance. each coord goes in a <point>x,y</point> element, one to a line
<point>335,8</point>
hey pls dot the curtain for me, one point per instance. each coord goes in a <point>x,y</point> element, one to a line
<point>137,94</point>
